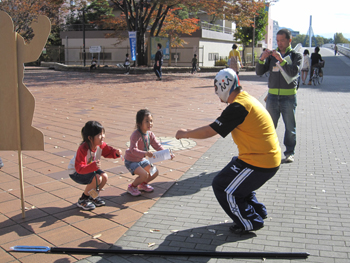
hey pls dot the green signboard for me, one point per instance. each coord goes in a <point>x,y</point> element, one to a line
<point>165,41</point>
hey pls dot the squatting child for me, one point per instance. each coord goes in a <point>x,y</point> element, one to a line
<point>85,167</point>
<point>140,141</point>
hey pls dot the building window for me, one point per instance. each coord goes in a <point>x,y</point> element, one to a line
<point>213,56</point>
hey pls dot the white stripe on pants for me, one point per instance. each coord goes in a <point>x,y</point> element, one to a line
<point>231,198</point>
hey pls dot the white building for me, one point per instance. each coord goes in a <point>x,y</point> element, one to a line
<point>210,43</point>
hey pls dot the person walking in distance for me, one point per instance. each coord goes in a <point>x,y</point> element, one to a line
<point>259,153</point>
<point>158,62</point>
<point>282,95</point>
<point>235,59</point>
<point>194,64</point>
<point>306,66</point>
<point>335,49</point>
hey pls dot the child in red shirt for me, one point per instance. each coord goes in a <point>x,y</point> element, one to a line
<point>85,166</point>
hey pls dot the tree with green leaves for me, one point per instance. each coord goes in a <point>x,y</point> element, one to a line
<point>318,40</point>
<point>245,33</point>
<point>339,38</point>
<point>97,13</point>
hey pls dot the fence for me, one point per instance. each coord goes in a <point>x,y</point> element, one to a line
<point>181,56</point>
<point>216,28</point>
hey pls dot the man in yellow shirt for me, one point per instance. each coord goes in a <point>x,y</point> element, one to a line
<point>259,155</point>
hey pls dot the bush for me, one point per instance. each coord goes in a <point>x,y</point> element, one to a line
<point>221,62</point>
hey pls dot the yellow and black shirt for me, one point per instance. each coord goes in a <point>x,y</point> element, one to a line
<point>252,130</point>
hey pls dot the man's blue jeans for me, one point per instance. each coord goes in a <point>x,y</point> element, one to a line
<point>158,71</point>
<point>284,105</point>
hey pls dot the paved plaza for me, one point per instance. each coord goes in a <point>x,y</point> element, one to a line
<point>307,200</point>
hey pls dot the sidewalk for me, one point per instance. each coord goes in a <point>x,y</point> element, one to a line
<point>64,102</point>
<point>308,200</point>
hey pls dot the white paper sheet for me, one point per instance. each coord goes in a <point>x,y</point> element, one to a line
<point>160,156</point>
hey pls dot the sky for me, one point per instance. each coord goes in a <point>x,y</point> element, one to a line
<point>328,17</point>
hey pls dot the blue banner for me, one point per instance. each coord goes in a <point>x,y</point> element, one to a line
<point>132,39</point>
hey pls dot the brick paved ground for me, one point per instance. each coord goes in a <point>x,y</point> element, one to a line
<point>307,200</point>
<point>64,102</point>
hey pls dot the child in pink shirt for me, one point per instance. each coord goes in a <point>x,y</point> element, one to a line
<point>140,141</point>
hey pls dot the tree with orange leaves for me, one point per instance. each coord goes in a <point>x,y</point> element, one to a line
<point>23,12</point>
<point>160,18</point>
<point>174,26</point>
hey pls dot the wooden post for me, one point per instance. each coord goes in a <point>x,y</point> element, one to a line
<point>18,132</point>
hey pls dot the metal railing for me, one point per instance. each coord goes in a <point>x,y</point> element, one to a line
<point>342,48</point>
<point>114,55</point>
<point>79,27</point>
<point>216,28</point>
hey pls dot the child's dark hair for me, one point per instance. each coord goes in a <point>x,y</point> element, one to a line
<point>140,116</point>
<point>127,54</point>
<point>91,129</point>
<point>306,52</point>
<point>195,55</point>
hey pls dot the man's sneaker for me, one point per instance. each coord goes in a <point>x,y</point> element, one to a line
<point>241,231</point>
<point>133,190</point>
<point>146,188</point>
<point>86,204</point>
<point>97,201</point>
<point>289,158</point>
<point>264,217</point>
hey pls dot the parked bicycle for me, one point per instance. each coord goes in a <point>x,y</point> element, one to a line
<point>317,77</point>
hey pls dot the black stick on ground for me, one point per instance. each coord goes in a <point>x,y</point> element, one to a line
<point>211,254</point>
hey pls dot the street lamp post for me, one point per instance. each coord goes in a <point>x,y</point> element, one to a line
<point>84,53</point>
<point>253,55</point>
<point>136,29</point>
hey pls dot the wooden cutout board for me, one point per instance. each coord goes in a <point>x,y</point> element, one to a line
<point>16,101</point>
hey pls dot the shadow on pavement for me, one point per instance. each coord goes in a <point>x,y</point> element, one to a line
<point>200,239</point>
<point>192,185</point>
